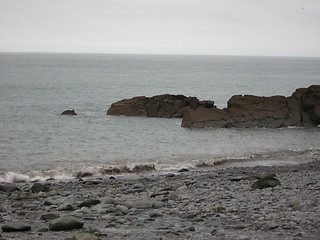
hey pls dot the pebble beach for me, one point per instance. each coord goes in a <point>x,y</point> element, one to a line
<point>201,203</point>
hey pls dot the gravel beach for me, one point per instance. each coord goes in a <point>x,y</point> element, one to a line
<point>201,203</point>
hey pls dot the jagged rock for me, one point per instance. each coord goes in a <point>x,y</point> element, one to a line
<point>16,227</point>
<point>266,182</point>
<point>69,112</point>
<point>302,108</point>
<point>65,223</point>
<point>163,106</point>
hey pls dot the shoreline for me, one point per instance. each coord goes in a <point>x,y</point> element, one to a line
<point>132,170</point>
<point>203,203</point>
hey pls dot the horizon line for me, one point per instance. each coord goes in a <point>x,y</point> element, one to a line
<point>163,54</point>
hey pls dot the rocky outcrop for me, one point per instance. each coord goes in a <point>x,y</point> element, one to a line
<point>163,106</point>
<point>302,108</point>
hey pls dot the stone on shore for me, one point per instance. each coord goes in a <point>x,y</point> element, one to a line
<point>266,182</point>
<point>163,106</point>
<point>49,216</point>
<point>89,203</point>
<point>85,236</point>
<point>65,223</point>
<point>145,204</point>
<point>8,187</point>
<point>2,209</point>
<point>16,227</point>
<point>38,187</point>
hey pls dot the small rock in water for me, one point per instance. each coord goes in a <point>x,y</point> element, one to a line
<point>265,182</point>
<point>65,223</point>
<point>183,170</point>
<point>69,112</point>
<point>16,227</point>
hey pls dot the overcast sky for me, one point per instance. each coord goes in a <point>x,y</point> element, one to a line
<point>215,27</point>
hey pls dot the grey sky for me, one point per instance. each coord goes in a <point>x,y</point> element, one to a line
<point>224,27</point>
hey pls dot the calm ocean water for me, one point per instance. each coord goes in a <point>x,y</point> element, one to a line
<point>36,88</point>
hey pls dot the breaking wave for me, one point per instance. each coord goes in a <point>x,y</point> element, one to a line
<point>281,157</point>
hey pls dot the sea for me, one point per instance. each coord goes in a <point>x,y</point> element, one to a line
<point>37,142</point>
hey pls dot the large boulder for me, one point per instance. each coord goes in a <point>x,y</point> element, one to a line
<point>302,108</point>
<point>163,106</point>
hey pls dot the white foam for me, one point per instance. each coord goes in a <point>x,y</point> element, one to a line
<point>12,177</point>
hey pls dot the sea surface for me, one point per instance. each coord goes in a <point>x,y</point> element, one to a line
<point>36,141</point>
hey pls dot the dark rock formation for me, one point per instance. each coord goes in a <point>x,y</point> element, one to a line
<point>163,106</point>
<point>69,112</point>
<point>302,108</point>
